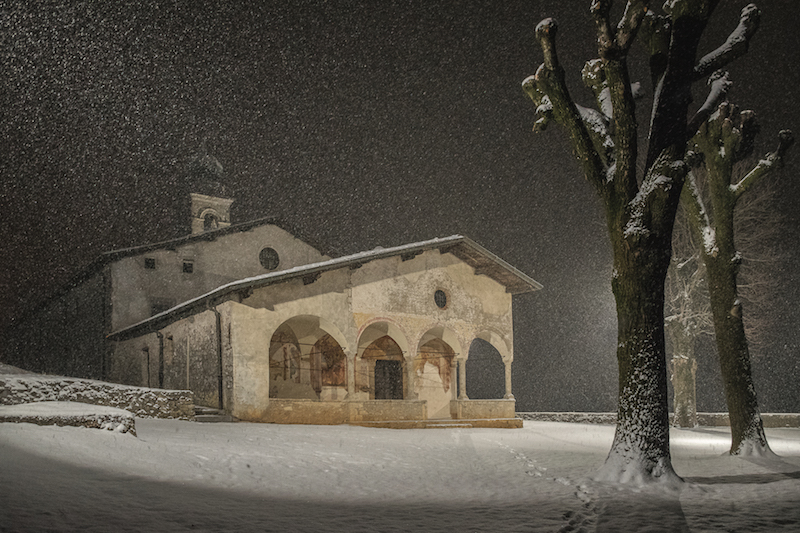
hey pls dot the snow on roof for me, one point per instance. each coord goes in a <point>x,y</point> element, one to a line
<point>484,262</point>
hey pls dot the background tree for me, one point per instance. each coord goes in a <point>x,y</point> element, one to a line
<point>688,317</point>
<point>757,227</point>
<point>640,209</point>
<point>723,140</point>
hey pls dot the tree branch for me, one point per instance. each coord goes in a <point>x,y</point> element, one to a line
<point>628,26</point>
<point>656,35</point>
<point>765,166</point>
<point>548,90</point>
<point>697,214</point>
<point>734,47</point>
<point>720,85</point>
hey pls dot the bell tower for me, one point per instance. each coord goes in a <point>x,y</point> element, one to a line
<point>209,212</point>
<point>210,209</point>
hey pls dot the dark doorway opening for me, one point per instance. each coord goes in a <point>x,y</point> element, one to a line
<point>388,380</point>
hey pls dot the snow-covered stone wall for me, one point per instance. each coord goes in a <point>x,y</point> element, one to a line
<point>142,402</point>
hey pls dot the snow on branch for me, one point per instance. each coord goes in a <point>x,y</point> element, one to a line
<point>785,141</point>
<point>720,85</point>
<point>698,215</point>
<point>734,47</point>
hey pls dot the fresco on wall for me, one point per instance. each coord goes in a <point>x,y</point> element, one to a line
<point>438,354</point>
<point>300,371</point>
<point>328,364</point>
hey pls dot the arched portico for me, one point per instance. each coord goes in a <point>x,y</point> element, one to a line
<point>307,360</point>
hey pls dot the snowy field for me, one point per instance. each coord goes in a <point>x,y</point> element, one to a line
<point>178,476</point>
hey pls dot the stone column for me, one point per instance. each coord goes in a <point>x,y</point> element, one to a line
<point>411,379</point>
<point>351,375</point>
<point>507,364</point>
<point>462,379</point>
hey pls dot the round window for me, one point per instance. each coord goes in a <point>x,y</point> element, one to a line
<point>269,258</point>
<point>440,298</point>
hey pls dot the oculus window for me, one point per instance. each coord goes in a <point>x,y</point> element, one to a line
<point>440,297</point>
<point>269,258</point>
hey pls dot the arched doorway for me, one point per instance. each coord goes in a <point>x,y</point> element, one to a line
<point>306,362</point>
<point>485,372</point>
<point>382,368</point>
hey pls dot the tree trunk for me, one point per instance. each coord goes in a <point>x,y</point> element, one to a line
<point>747,430</point>
<point>683,374</point>
<point>640,450</point>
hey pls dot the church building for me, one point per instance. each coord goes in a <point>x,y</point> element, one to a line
<point>261,322</point>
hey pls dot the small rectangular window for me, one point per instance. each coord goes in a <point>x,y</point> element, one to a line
<point>188,267</point>
<point>150,263</point>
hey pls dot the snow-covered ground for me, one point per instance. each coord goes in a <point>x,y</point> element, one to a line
<point>179,475</point>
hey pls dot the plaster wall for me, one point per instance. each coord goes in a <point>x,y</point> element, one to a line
<point>215,262</point>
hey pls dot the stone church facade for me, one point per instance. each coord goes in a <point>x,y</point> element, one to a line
<point>270,328</point>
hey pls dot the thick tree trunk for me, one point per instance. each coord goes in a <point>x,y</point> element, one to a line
<point>747,430</point>
<point>640,450</point>
<point>683,373</point>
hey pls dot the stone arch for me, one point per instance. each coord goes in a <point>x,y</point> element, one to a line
<point>484,371</point>
<point>489,345</point>
<point>210,218</point>
<point>381,364</point>
<point>437,350</point>
<point>307,360</point>
<point>498,342</point>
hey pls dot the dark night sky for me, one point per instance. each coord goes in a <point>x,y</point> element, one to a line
<point>374,123</point>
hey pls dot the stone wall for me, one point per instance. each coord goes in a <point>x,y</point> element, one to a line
<point>282,411</point>
<point>142,402</point>
<point>472,409</point>
<point>771,420</point>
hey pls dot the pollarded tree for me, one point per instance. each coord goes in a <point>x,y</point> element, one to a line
<point>757,226</point>
<point>640,209</point>
<point>723,140</point>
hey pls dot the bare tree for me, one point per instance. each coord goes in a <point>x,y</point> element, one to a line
<point>640,209</point>
<point>757,226</point>
<point>723,140</point>
<point>688,317</point>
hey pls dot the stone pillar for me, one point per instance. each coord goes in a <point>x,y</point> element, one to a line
<point>454,369</point>
<point>462,379</point>
<point>507,363</point>
<point>411,392</point>
<point>351,375</point>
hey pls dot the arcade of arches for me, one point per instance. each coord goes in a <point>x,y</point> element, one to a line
<point>306,361</point>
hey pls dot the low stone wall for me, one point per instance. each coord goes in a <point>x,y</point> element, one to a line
<point>574,418</point>
<point>142,402</point>
<point>70,414</point>
<point>285,411</point>
<point>771,420</point>
<point>477,409</point>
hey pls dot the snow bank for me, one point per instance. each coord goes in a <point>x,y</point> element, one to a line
<point>70,414</point>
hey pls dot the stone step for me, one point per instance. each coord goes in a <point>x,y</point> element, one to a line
<point>210,414</point>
